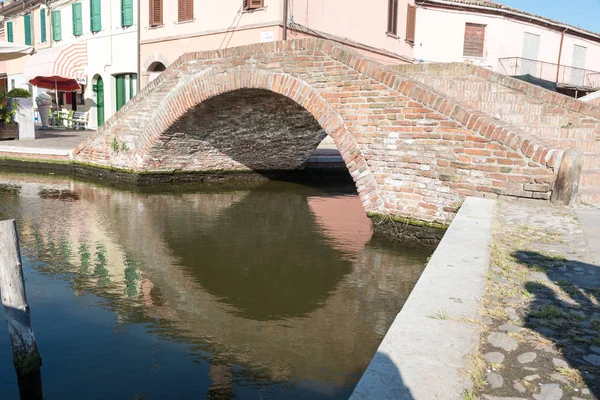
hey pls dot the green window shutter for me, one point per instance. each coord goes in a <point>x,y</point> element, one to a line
<point>27,19</point>
<point>96,15</point>
<point>120,84</point>
<point>126,13</point>
<point>56,27</point>
<point>131,86</point>
<point>77,20</point>
<point>43,25</point>
<point>9,32</point>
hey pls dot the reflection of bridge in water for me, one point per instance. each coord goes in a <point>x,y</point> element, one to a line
<point>302,291</point>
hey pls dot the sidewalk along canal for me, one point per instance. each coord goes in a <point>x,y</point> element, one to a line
<point>426,352</point>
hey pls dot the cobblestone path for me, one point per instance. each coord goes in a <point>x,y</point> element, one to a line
<point>541,337</point>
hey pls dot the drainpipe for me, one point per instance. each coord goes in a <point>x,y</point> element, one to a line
<point>49,25</point>
<point>139,46</point>
<point>285,19</point>
<point>110,35</point>
<point>562,39</point>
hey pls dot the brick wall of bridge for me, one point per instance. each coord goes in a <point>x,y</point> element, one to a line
<point>412,151</point>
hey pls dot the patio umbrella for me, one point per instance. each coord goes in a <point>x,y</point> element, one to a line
<point>10,51</point>
<point>58,68</point>
<point>56,83</point>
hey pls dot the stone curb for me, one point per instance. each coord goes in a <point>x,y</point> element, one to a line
<point>48,151</point>
<point>425,353</point>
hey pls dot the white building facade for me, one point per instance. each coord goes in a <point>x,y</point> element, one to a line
<point>107,29</point>
<point>506,40</point>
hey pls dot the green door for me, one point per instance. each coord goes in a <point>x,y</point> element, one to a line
<point>100,101</point>
<point>120,86</point>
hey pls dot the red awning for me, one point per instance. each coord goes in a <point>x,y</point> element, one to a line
<point>60,67</point>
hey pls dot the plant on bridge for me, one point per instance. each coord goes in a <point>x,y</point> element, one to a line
<point>115,145</point>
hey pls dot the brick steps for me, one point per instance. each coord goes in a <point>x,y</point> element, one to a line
<point>589,195</point>
<point>590,178</point>
<point>554,124</point>
<point>553,132</point>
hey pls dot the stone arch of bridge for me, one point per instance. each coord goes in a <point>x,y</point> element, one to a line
<point>210,84</point>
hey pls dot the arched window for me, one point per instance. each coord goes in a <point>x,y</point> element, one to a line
<point>155,69</point>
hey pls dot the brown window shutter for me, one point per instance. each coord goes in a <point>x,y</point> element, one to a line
<point>185,10</point>
<point>411,23</point>
<point>474,40</point>
<point>253,4</point>
<point>181,10</point>
<point>156,12</point>
<point>190,9</point>
<point>392,27</point>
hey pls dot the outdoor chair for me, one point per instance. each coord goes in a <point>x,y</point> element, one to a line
<point>68,119</point>
<point>80,120</point>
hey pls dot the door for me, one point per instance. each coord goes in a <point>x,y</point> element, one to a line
<point>531,49</point>
<point>100,101</point>
<point>120,86</point>
<point>577,74</point>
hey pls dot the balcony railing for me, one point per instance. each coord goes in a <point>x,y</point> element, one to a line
<point>549,74</point>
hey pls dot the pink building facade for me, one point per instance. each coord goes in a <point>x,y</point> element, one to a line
<point>384,30</point>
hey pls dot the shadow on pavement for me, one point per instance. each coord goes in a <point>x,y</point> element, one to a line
<point>381,380</point>
<point>569,317</point>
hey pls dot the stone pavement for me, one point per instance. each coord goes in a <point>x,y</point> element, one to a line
<point>47,142</point>
<point>62,142</point>
<point>541,338</point>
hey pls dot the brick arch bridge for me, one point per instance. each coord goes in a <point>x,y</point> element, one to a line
<point>412,151</point>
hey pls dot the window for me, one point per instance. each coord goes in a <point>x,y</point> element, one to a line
<point>77,20</point>
<point>42,25</point>
<point>27,24</point>
<point>155,69</point>
<point>9,31</point>
<point>156,7</point>
<point>95,16</point>
<point>392,26</point>
<point>126,86</point>
<point>56,27</point>
<point>186,10</point>
<point>126,13</point>
<point>411,23</point>
<point>474,40</point>
<point>253,4</point>
<point>12,84</point>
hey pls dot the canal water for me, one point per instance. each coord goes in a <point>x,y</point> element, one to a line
<point>277,291</point>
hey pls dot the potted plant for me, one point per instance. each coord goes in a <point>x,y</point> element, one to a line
<point>8,128</point>
<point>19,93</point>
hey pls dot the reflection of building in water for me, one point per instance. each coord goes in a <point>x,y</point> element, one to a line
<point>208,265</point>
<point>342,219</point>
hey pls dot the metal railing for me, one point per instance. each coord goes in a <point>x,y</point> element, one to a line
<point>549,73</point>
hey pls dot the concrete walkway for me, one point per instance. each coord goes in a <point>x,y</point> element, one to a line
<point>47,142</point>
<point>425,354</point>
<point>590,222</point>
<point>62,142</point>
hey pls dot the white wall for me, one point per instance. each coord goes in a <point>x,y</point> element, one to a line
<point>20,81</point>
<point>111,51</point>
<point>440,38</point>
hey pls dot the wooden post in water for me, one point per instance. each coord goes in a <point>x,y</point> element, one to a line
<point>26,357</point>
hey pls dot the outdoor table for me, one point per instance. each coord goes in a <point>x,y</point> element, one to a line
<point>56,118</point>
